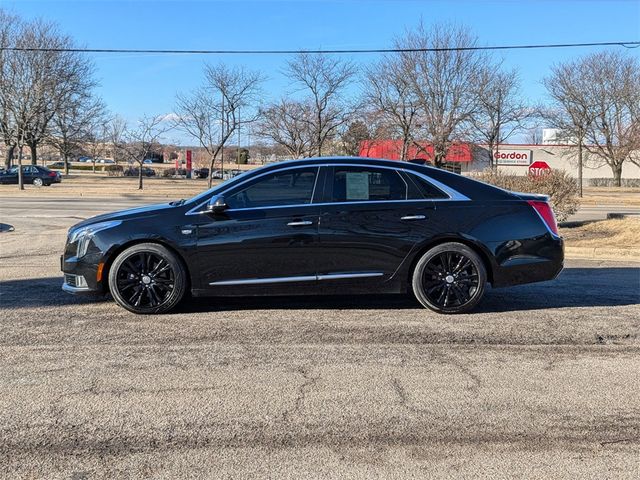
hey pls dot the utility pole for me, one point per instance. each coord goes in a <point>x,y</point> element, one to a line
<point>222,138</point>
<point>494,161</point>
<point>238,150</point>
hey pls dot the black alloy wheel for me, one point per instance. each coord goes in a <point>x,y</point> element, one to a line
<point>450,278</point>
<point>147,278</point>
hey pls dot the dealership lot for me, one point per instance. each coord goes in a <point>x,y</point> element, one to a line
<point>542,380</point>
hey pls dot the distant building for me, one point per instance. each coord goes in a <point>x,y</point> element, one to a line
<point>510,158</point>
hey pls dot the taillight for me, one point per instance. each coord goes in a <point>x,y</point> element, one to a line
<point>52,174</point>
<point>546,213</point>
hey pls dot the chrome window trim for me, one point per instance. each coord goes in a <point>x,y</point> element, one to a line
<point>453,195</point>
<point>196,210</point>
<point>301,278</point>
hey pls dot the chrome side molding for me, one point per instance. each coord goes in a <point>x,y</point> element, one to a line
<point>302,278</point>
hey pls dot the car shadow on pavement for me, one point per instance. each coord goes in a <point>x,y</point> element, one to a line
<point>575,287</point>
<point>40,292</point>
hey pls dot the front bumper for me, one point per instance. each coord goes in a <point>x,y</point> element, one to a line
<point>80,276</point>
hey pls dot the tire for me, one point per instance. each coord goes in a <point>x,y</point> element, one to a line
<point>38,182</point>
<point>449,278</point>
<point>147,278</point>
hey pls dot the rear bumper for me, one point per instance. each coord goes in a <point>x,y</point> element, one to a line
<point>528,261</point>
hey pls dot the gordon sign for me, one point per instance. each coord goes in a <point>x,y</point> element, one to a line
<point>513,157</point>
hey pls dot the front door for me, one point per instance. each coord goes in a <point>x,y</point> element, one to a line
<point>266,239</point>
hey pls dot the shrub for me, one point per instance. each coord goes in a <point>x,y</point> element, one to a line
<point>114,170</point>
<point>561,188</point>
<point>609,182</point>
<point>171,172</point>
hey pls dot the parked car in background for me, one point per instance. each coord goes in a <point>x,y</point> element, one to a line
<point>84,159</point>
<point>33,174</point>
<point>105,160</point>
<point>133,172</point>
<point>201,173</point>
<point>56,165</point>
<point>147,161</point>
<point>320,226</point>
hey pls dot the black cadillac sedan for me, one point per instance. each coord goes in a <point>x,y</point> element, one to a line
<point>320,226</point>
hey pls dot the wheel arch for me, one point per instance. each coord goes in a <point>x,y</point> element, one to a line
<point>112,255</point>
<point>475,245</point>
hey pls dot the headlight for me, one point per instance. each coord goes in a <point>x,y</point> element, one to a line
<point>83,235</point>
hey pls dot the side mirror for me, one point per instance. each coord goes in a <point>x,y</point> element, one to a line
<point>216,204</point>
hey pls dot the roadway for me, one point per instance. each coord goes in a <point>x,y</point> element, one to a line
<point>540,382</point>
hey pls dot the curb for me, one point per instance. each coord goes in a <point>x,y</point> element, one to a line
<point>600,253</point>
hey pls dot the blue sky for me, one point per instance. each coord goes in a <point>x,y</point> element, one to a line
<point>133,85</point>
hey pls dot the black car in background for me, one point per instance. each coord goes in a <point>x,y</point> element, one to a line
<point>134,172</point>
<point>33,174</point>
<point>316,226</point>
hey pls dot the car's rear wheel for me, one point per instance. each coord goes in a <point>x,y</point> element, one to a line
<point>38,182</point>
<point>449,278</point>
<point>147,278</point>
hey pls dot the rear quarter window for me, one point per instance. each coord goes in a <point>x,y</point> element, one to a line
<point>421,187</point>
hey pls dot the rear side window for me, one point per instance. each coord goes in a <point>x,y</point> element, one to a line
<point>357,184</point>
<point>290,187</point>
<point>425,188</point>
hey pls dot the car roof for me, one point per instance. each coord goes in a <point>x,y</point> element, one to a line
<point>472,188</point>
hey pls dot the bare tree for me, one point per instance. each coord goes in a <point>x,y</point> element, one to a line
<point>9,32</point>
<point>116,128</point>
<point>596,104</point>
<point>356,133</point>
<point>534,136</point>
<point>443,82</point>
<point>570,110</point>
<point>500,111</point>
<point>57,77</point>
<point>97,136</point>
<point>72,124</point>
<point>141,140</point>
<point>324,80</point>
<point>214,112</point>
<point>389,94</point>
<point>288,124</point>
<point>35,85</point>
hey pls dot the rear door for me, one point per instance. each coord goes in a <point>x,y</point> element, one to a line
<point>371,218</point>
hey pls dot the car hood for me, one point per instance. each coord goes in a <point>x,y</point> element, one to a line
<point>128,214</point>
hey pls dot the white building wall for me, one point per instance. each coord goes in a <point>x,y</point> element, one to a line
<point>559,157</point>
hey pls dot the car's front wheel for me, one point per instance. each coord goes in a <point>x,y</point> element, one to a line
<point>147,278</point>
<point>449,278</point>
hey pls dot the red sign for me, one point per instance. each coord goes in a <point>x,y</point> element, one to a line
<point>188,160</point>
<point>539,168</point>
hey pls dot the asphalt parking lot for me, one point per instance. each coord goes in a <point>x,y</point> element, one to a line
<point>542,381</point>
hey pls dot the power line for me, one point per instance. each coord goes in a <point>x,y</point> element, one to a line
<point>635,44</point>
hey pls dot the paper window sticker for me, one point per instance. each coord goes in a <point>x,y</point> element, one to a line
<point>357,185</point>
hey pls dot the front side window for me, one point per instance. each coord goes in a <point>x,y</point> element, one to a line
<point>289,187</point>
<point>357,184</point>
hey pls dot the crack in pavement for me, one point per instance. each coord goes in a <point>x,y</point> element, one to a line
<point>307,383</point>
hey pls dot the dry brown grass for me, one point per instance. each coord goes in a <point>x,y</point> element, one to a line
<point>623,233</point>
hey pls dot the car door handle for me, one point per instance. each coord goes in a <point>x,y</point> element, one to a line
<point>413,217</point>
<point>300,223</point>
